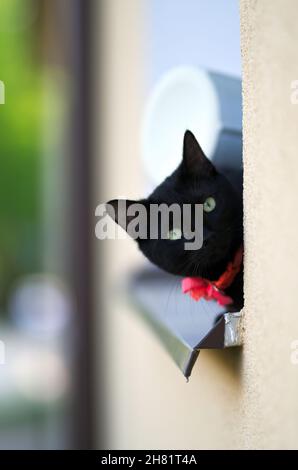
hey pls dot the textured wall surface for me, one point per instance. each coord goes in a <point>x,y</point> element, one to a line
<point>269,38</point>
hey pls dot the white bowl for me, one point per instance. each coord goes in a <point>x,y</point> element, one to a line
<point>191,98</point>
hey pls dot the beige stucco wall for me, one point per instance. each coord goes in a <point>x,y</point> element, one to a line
<point>235,398</point>
<point>270,63</point>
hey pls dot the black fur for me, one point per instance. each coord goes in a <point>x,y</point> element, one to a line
<point>192,182</point>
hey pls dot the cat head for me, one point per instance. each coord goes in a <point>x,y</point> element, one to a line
<point>195,181</point>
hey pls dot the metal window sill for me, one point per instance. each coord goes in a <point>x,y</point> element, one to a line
<point>183,325</point>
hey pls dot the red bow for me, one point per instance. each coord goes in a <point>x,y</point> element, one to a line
<point>198,287</point>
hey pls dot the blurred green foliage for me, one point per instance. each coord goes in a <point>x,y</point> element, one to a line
<point>20,142</point>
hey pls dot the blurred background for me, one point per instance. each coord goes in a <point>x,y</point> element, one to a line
<point>77,370</point>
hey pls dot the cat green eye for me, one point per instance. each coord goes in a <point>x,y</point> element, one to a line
<point>209,204</point>
<point>174,234</point>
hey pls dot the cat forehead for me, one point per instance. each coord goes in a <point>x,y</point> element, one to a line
<point>184,192</point>
<point>165,195</point>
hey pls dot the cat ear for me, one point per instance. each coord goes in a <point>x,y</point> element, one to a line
<point>117,210</point>
<point>195,162</point>
<point>124,212</point>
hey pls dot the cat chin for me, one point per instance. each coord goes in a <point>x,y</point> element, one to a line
<point>208,266</point>
<point>201,264</point>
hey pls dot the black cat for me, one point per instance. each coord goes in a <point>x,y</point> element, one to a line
<point>196,180</point>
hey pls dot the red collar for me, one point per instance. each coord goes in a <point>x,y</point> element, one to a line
<point>198,287</point>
